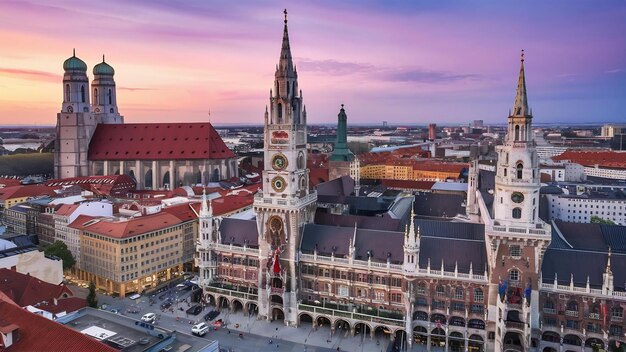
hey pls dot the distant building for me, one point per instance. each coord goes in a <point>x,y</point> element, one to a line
<point>29,260</point>
<point>432,131</point>
<point>611,130</point>
<point>604,164</point>
<point>606,205</point>
<point>341,157</point>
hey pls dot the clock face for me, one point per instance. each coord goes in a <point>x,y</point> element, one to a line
<point>276,224</point>
<point>517,197</point>
<point>279,184</point>
<point>279,162</point>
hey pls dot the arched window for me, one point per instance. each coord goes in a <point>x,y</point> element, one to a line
<point>520,168</point>
<point>110,97</point>
<point>458,293</point>
<point>517,213</point>
<point>440,291</point>
<point>82,94</point>
<point>421,288</point>
<point>517,133</point>
<point>280,113</point>
<point>95,96</point>
<point>505,172</point>
<point>67,93</point>
<point>514,275</point>
<point>287,88</point>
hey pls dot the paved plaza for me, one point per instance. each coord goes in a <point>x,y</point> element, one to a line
<point>256,333</point>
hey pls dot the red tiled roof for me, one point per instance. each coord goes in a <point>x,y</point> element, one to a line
<point>317,175</point>
<point>228,203</point>
<point>126,228</point>
<point>25,191</point>
<point>102,185</point>
<point>27,290</point>
<point>8,182</point>
<point>157,141</point>
<point>69,305</point>
<point>439,166</point>
<point>66,209</point>
<point>37,333</point>
<point>603,158</point>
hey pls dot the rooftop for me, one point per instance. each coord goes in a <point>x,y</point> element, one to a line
<point>157,141</point>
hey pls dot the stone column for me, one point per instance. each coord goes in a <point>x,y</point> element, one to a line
<point>172,178</point>
<point>155,183</point>
<point>122,167</point>
<point>139,174</point>
<point>105,168</point>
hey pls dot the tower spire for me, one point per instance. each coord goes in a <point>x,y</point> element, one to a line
<point>205,209</point>
<point>285,51</point>
<point>520,107</point>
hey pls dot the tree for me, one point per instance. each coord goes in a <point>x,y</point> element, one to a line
<point>601,221</point>
<point>92,300</point>
<point>59,249</point>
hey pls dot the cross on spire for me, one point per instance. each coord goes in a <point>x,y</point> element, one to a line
<point>285,12</point>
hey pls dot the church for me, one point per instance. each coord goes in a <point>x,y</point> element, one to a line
<point>93,140</point>
<point>365,262</point>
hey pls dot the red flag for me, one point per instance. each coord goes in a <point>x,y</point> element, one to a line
<point>276,266</point>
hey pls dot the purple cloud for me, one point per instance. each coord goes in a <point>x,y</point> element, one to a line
<point>31,75</point>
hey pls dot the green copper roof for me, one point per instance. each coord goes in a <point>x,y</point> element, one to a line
<point>74,63</point>
<point>103,69</point>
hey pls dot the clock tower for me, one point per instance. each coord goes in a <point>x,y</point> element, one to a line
<point>516,237</point>
<point>286,203</point>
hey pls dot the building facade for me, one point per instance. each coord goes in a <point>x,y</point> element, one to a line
<point>92,139</point>
<point>495,284</point>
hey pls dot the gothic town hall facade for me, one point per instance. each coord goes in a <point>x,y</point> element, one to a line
<point>502,280</point>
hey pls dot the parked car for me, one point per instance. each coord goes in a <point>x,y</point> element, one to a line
<point>166,304</point>
<point>199,329</point>
<point>211,315</point>
<point>195,310</point>
<point>115,311</point>
<point>149,318</point>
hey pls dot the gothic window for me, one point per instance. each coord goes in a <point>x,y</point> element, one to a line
<point>515,251</point>
<point>110,97</point>
<point>82,94</point>
<point>440,291</point>
<point>549,304</point>
<point>517,133</point>
<point>280,112</point>
<point>478,295</point>
<point>517,213</point>
<point>287,88</point>
<point>458,293</point>
<point>514,275</point>
<point>617,313</point>
<point>95,96</point>
<point>505,172</point>
<point>520,168</point>
<point>67,92</point>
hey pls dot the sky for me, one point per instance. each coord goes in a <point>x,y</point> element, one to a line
<point>405,62</point>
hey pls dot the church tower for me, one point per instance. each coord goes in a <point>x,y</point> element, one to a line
<point>75,123</point>
<point>516,237</point>
<point>206,241</point>
<point>286,203</point>
<point>104,103</point>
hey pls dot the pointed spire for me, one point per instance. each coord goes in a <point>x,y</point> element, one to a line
<point>103,58</point>
<point>74,52</point>
<point>520,107</point>
<point>608,263</point>
<point>285,61</point>
<point>205,209</point>
<point>412,221</point>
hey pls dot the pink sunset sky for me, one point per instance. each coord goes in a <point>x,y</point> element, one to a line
<point>410,62</point>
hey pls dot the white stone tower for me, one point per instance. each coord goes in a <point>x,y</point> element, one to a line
<point>286,203</point>
<point>206,241</point>
<point>516,237</point>
<point>75,123</point>
<point>104,103</point>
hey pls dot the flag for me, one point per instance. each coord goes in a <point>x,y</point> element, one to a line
<point>603,308</point>
<point>527,291</point>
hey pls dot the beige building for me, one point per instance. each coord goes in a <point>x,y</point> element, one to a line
<point>129,255</point>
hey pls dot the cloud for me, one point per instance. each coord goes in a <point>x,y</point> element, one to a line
<point>31,75</point>
<point>425,76</point>
<point>617,70</point>
<point>390,74</point>
<point>132,89</point>
<point>334,67</point>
